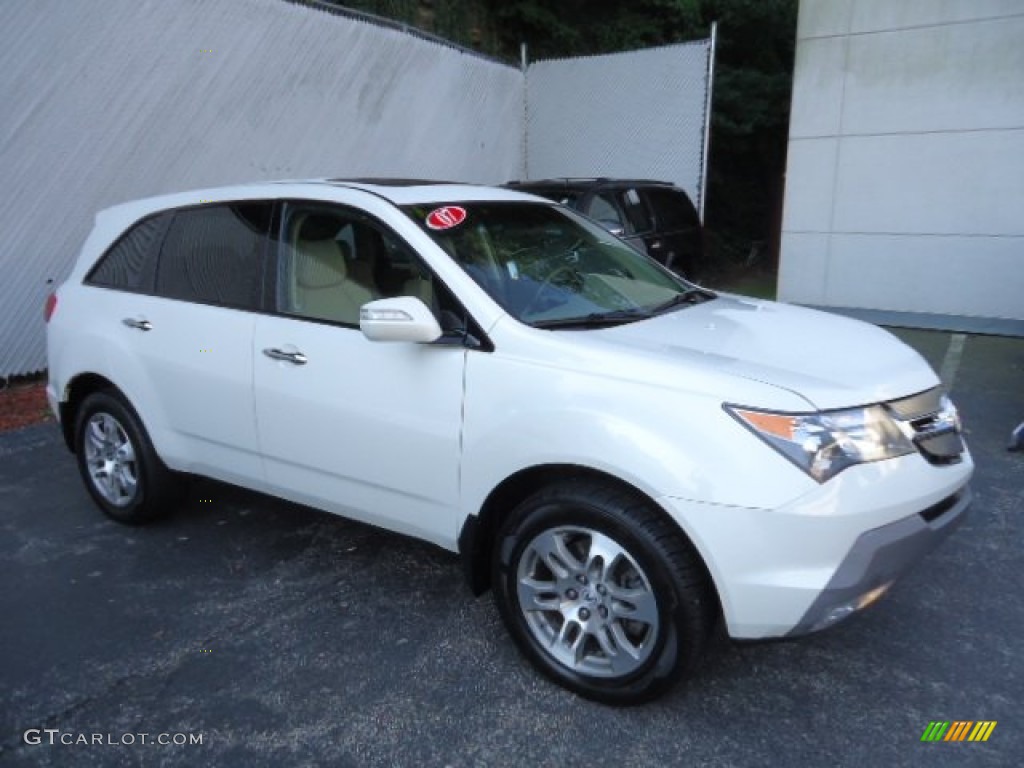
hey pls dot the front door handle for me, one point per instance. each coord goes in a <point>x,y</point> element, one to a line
<point>289,357</point>
<point>138,323</point>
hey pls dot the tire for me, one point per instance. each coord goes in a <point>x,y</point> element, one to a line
<point>117,462</point>
<point>601,592</point>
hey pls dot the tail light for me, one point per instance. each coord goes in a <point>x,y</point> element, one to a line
<point>51,307</point>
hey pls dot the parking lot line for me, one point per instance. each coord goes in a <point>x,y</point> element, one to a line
<point>951,362</point>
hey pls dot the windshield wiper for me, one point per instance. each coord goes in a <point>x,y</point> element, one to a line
<point>596,319</point>
<point>689,296</point>
<point>621,316</point>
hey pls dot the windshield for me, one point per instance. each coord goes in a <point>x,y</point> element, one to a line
<point>550,267</point>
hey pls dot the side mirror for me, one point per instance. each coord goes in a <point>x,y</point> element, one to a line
<point>404,318</point>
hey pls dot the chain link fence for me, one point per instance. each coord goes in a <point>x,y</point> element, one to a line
<point>638,114</point>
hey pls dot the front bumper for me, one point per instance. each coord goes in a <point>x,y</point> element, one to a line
<point>878,558</point>
<point>809,563</point>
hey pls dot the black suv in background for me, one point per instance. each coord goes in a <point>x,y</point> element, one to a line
<point>655,217</point>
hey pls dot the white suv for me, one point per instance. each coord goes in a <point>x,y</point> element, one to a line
<point>625,458</point>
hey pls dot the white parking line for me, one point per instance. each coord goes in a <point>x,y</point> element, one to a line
<point>951,362</point>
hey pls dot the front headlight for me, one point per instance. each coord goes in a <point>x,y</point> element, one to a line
<point>825,443</point>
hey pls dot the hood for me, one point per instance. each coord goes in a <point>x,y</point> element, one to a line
<point>828,360</point>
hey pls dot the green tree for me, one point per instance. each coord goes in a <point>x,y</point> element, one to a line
<point>750,124</point>
<point>583,27</point>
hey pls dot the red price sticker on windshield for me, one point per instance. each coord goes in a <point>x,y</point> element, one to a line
<point>446,218</point>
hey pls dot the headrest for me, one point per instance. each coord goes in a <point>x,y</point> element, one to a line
<point>320,264</point>
<point>319,226</point>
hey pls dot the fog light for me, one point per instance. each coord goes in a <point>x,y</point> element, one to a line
<point>836,614</point>
<point>868,598</point>
<point>843,610</point>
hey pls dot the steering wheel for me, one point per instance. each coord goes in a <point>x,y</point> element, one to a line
<point>549,281</point>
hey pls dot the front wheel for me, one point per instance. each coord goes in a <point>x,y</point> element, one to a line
<point>601,592</point>
<point>117,462</point>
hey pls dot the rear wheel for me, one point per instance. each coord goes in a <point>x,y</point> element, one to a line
<point>117,462</point>
<point>601,592</point>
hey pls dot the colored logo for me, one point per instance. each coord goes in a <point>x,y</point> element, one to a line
<point>446,218</point>
<point>958,730</point>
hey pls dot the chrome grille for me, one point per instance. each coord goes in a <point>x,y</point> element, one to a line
<point>930,420</point>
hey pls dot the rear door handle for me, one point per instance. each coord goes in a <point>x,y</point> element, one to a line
<point>289,357</point>
<point>138,323</point>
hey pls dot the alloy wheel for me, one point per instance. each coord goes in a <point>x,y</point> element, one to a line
<point>110,458</point>
<point>587,602</point>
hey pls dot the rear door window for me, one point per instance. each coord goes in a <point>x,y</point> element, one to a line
<point>130,264</point>
<point>214,254</point>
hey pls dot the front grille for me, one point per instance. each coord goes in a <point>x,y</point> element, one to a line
<point>917,407</point>
<point>932,426</point>
<point>944,448</point>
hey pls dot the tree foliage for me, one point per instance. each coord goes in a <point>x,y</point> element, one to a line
<point>581,27</point>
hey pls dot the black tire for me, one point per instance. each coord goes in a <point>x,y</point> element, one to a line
<point>117,462</point>
<point>580,634</point>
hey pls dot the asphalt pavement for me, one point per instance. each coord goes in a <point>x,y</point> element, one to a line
<point>277,635</point>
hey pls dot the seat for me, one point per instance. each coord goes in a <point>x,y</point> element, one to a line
<point>396,272</point>
<point>420,286</point>
<point>323,288</point>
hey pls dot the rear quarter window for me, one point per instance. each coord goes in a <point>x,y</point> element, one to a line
<point>130,264</point>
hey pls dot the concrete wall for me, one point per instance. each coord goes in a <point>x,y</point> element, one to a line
<point>905,182</point>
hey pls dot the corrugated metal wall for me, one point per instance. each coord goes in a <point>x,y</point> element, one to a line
<point>638,114</point>
<point>109,101</point>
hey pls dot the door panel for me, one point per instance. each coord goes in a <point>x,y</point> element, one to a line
<point>199,362</point>
<point>187,370</point>
<point>365,429</point>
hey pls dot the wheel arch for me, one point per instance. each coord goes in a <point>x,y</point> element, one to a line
<point>75,392</point>
<point>476,539</point>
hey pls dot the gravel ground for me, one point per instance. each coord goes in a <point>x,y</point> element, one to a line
<point>283,636</point>
<point>23,403</point>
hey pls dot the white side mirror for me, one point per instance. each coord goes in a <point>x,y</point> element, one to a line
<point>404,318</point>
